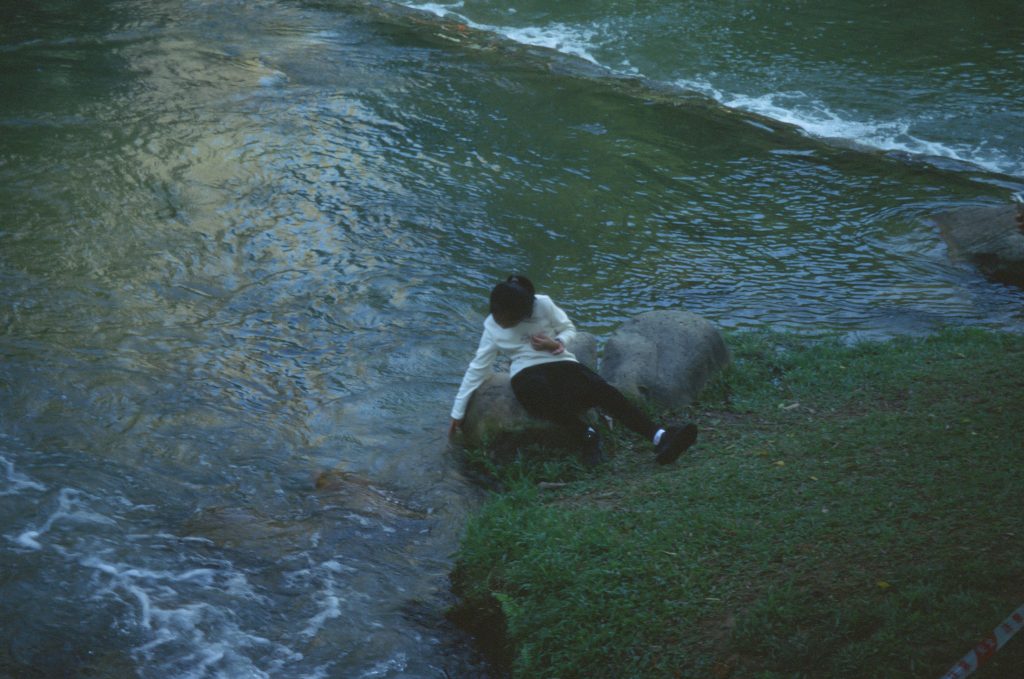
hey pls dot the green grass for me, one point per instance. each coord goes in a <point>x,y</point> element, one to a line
<point>849,511</point>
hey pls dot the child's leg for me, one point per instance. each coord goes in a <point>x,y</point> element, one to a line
<point>545,392</point>
<point>670,443</point>
<point>596,392</point>
<point>563,391</point>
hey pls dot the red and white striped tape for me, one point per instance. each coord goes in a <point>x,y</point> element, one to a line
<point>987,647</point>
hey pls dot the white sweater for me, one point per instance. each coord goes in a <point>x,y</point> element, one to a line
<point>547,319</point>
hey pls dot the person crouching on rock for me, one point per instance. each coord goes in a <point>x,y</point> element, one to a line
<point>548,380</point>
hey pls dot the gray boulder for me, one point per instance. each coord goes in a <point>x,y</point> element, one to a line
<point>989,237</point>
<point>664,356</point>
<point>495,416</point>
<point>584,347</point>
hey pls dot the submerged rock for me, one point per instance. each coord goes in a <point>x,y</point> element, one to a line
<point>247,529</point>
<point>989,237</point>
<point>261,533</point>
<point>337,488</point>
<point>665,357</point>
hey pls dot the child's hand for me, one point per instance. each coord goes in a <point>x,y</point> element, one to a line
<point>542,342</point>
<point>454,428</point>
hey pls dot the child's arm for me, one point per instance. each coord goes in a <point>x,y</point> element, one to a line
<point>563,328</point>
<point>476,373</point>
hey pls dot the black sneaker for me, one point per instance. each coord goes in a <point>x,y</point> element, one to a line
<point>674,442</point>
<point>592,454</point>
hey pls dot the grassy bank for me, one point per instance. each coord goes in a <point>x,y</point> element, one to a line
<point>847,512</point>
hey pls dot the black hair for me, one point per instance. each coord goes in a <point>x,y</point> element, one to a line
<point>512,299</point>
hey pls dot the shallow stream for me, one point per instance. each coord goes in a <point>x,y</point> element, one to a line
<point>245,249</point>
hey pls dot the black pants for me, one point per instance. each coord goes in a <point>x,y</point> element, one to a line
<point>563,390</point>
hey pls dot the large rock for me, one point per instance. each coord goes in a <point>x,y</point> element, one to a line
<point>495,416</point>
<point>664,356</point>
<point>990,237</point>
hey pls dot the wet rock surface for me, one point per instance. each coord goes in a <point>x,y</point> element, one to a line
<point>991,237</point>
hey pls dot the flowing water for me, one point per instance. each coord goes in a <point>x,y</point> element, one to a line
<point>245,247</point>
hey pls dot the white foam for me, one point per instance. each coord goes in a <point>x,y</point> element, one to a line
<point>335,566</point>
<point>145,614</point>
<point>184,633</point>
<point>273,79</point>
<point>794,108</point>
<point>183,612</point>
<point>330,608</point>
<point>15,481</point>
<point>398,663</point>
<point>818,120</point>
<point>437,8</point>
<point>201,642</point>
<point>28,540</point>
<point>556,36</point>
<point>69,508</point>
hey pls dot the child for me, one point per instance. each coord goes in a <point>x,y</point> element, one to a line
<point>548,380</point>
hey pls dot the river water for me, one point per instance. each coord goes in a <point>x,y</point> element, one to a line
<point>245,248</point>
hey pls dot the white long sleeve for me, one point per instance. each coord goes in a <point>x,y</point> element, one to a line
<point>478,370</point>
<point>547,319</point>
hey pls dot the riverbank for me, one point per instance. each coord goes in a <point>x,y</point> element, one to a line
<point>849,511</point>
